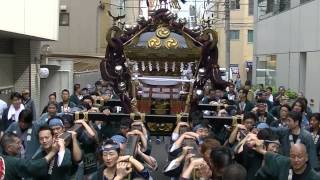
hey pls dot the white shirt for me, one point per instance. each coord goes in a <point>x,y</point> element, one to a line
<point>271,98</point>
<point>174,136</point>
<point>3,106</point>
<point>173,147</point>
<point>14,113</point>
<point>60,157</point>
<point>173,164</point>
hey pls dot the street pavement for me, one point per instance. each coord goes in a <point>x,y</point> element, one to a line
<point>159,151</point>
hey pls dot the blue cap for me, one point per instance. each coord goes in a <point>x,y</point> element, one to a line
<point>194,129</point>
<point>119,139</point>
<point>262,126</point>
<point>55,122</point>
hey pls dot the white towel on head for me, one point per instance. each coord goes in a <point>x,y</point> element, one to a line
<point>13,112</point>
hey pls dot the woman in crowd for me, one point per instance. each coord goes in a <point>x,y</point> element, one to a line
<point>116,167</point>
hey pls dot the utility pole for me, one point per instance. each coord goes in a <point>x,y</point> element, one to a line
<point>195,17</point>
<point>227,34</point>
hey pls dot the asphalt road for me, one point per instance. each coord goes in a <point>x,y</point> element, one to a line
<point>159,151</point>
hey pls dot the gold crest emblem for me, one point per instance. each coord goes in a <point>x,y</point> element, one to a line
<point>171,43</point>
<point>154,43</point>
<point>162,32</point>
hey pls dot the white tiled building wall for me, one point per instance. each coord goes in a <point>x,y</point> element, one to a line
<point>21,64</point>
<point>24,65</point>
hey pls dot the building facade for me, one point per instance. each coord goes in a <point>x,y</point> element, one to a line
<point>79,34</point>
<point>23,25</point>
<point>287,47</point>
<point>241,35</point>
<point>83,26</point>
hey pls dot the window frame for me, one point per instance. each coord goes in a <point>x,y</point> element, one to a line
<point>250,7</point>
<point>235,5</point>
<point>64,14</point>
<point>250,30</point>
<point>230,34</point>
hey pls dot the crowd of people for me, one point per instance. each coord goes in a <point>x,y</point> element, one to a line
<point>277,138</point>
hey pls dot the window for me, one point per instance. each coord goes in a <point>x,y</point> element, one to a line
<point>234,4</point>
<point>262,8</point>
<point>284,5</point>
<point>250,36</point>
<point>270,4</point>
<point>250,8</point>
<point>266,70</point>
<point>64,18</point>
<point>234,34</point>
